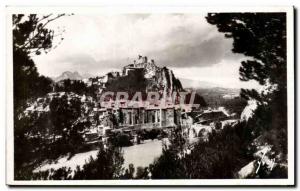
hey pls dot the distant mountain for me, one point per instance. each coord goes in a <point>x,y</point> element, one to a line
<point>219,92</point>
<point>68,75</point>
<point>195,84</point>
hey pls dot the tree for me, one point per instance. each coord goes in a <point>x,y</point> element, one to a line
<point>30,34</point>
<point>142,173</point>
<point>129,172</point>
<point>75,86</point>
<point>221,156</point>
<point>28,84</point>
<point>260,36</point>
<point>31,37</point>
<point>167,166</point>
<point>107,165</point>
<point>170,164</point>
<point>64,113</point>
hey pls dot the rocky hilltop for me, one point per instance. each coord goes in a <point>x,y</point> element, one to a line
<point>142,75</point>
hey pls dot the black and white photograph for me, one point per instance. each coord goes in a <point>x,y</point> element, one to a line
<point>150,96</point>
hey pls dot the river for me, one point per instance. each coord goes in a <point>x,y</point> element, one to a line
<point>139,155</point>
<point>143,154</point>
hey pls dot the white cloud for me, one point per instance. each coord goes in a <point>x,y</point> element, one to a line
<point>97,44</point>
<point>223,74</point>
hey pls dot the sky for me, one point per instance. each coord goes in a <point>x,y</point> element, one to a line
<point>185,43</point>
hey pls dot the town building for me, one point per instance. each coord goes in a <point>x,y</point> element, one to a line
<point>142,114</point>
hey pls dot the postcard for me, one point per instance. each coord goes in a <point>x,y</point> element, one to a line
<point>170,96</point>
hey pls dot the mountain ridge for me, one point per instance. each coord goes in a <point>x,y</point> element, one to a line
<point>68,75</point>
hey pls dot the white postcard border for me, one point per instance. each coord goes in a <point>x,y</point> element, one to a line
<point>151,9</point>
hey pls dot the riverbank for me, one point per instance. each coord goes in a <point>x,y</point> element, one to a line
<point>139,155</point>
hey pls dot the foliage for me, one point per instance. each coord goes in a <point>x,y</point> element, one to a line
<point>227,151</point>
<point>67,85</point>
<point>277,172</point>
<point>63,112</point>
<point>48,135</point>
<point>129,173</point>
<point>169,165</point>
<point>142,173</point>
<point>220,157</point>
<point>270,126</point>
<point>108,165</point>
<point>30,34</point>
<point>235,105</point>
<point>30,37</point>
<point>75,86</point>
<point>151,134</point>
<point>120,140</point>
<point>28,84</point>
<point>261,37</point>
<point>29,136</point>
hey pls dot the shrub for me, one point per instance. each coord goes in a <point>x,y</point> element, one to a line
<point>120,140</point>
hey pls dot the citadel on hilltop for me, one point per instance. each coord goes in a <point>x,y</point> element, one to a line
<point>141,64</point>
<point>143,113</point>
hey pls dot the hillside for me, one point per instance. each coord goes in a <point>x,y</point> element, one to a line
<point>188,83</point>
<point>141,76</point>
<point>223,97</point>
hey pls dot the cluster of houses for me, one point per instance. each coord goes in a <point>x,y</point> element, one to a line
<point>142,115</point>
<point>117,116</point>
<point>135,116</point>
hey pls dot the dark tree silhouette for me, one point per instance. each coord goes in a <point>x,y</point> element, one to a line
<point>107,165</point>
<point>64,113</point>
<point>30,37</point>
<point>30,34</point>
<point>262,37</point>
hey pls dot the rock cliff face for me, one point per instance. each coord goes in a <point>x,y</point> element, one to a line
<point>154,78</point>
<point>163,80</point>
